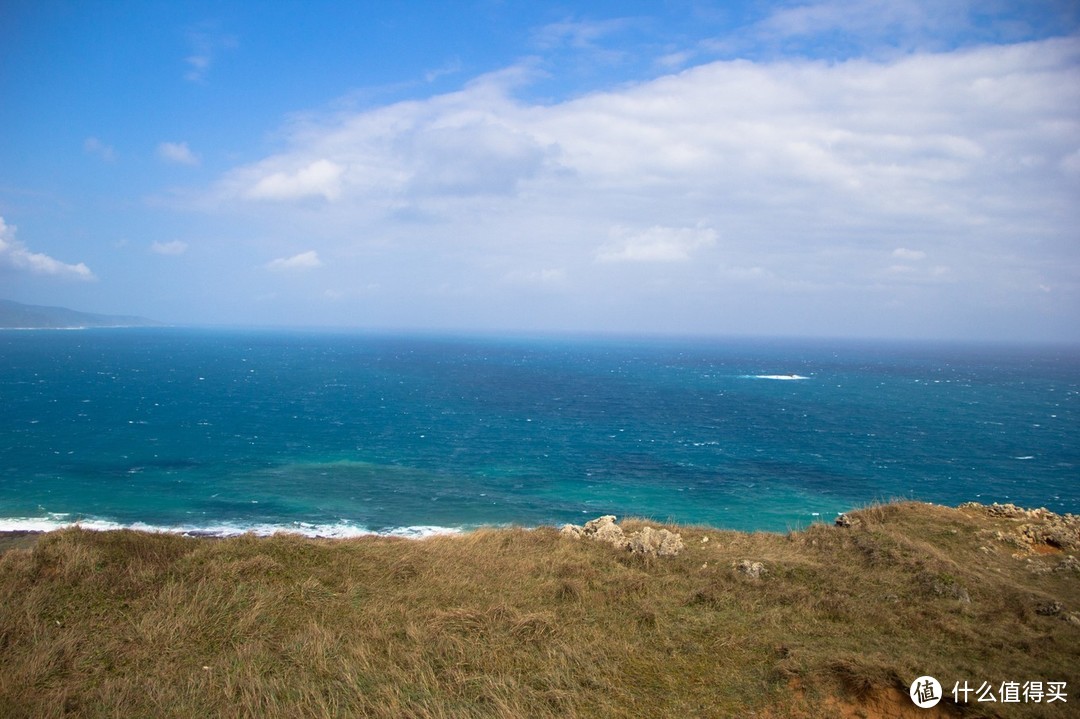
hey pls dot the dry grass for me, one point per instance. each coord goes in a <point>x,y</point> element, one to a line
<point>514,623</point>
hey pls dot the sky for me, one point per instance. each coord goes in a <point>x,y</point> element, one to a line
<point>860,168</point>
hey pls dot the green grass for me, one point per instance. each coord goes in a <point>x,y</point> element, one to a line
<point>517,623</point>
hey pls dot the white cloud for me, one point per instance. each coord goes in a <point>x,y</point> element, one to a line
<point>811,171</point>
<point>893,139</point>
<point>903,253</point>
<point>176,247</point>
<point>15,254</point>
<point>321,178</point>
<point>303,261</point>
<point>94,146</point>
<point>178,153</point>
<point>656,244</point>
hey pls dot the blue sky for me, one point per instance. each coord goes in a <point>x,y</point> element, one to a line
<point>871,168</point>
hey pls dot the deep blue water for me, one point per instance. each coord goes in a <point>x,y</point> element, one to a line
<point>338,433</point>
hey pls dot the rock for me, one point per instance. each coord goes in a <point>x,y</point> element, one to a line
<point>604,529</point>
<point>572,530</point>
<point>644,541</point>
<point>754,570</point>
<point>1005,510</point>
<point>1011,511</point>
<point>655,541</point>
<point>594,525</point>
<point>670,544</point>
<point>648,541</point>
<point>1034,529</point>
<point>613,535</point>
<point>1072,618</point>
<point>843,520</point>
<point>1061,531</point>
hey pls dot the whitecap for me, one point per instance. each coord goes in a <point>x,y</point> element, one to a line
<point>779,376</point>
<point>342,529</point>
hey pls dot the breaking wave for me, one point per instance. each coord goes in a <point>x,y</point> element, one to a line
<point>338,530</point>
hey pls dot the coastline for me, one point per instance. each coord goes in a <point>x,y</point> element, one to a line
<point>32,529</point>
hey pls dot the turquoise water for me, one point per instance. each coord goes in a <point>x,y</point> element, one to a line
<point>339,434</point>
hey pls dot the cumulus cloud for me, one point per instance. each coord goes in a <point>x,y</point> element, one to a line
<point>905,138</point>
<point>94,146</point>
<point>464,144</point>
<point>176,247</point>
<point>656,244</point>
<point>177,153</point>
<point>812,172</point>
<point>321,178</point>
<point>15,254</point>
<point>303,261</point>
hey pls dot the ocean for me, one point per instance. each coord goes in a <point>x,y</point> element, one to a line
<point>342,434</point>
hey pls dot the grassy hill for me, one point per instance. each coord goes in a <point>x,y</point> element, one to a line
<point>532,623</point>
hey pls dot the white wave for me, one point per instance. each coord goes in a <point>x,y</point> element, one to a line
<point>338,530</point>
<point>421,532</point>
<point>1025,457</point>
<point>779,376</point>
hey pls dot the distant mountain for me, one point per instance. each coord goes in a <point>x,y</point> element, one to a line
<point>14,315</point>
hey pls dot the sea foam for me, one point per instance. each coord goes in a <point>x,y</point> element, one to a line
<point>337,530</point>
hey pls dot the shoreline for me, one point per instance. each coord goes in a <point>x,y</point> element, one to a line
<point>417,532</point>
<point>669,620</point>
<point>338,530</point>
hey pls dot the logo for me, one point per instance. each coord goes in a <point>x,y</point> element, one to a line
<point>925,692</point>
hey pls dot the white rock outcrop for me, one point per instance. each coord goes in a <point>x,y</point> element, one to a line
<point>647,541</point>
